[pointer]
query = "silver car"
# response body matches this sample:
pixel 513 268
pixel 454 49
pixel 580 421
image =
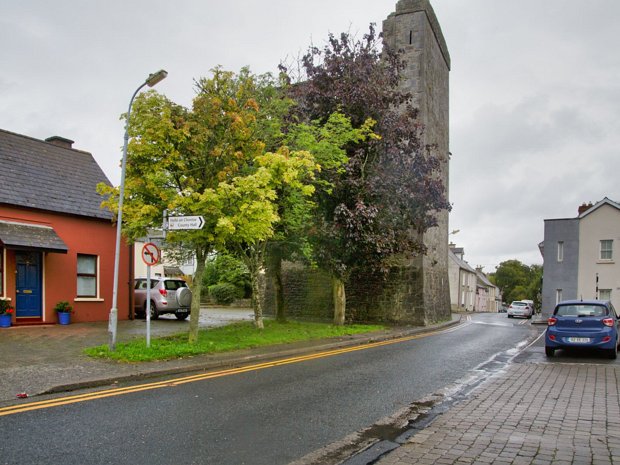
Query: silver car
pixel 520 308
pixel 168 295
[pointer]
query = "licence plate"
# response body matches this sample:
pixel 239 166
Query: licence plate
pixel 579 340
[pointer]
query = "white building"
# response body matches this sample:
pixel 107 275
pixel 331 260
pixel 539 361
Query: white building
pixel 581 256
pixel 462 280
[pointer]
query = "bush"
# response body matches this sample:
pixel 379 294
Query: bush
pixel 224 268
pixel 223 293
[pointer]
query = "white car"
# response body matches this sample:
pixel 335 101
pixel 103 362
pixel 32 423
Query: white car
pixel 520 308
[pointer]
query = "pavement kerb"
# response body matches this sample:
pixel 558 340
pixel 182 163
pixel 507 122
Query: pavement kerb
pixel 234 359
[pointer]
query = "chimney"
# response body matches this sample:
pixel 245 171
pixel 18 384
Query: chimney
pixel 584 207
pixel 60 142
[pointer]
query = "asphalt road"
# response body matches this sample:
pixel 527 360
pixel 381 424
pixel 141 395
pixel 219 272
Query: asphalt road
pixel 267 416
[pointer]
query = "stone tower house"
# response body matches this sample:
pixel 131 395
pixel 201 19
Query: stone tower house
pixel 416 292
pixel 414 29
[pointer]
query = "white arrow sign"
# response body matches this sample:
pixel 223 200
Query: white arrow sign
pixel 185 222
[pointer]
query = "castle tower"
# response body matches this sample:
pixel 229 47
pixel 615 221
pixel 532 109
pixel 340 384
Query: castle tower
pixel 413 28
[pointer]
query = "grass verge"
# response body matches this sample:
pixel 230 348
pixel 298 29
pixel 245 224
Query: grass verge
pixel 225 339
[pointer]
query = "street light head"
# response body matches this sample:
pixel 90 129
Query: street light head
pixel 156 77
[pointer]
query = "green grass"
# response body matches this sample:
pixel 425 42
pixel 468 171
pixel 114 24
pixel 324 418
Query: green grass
pixel 225 339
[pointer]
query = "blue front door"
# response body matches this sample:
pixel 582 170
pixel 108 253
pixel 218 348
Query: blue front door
pixel 28 285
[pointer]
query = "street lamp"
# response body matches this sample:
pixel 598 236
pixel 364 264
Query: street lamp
pixel 113 320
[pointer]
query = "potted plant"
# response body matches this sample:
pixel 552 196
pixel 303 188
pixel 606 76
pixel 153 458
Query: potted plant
pixel 63 309
pixel 6 313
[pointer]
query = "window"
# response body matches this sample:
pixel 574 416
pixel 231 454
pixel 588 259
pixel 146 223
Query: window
pixel 604 294
pixel 1 271
pixel 86 275
pixel 560 251
pixel 558 295
pixel 607 249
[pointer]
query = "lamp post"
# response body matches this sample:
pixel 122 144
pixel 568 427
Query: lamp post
pixel 113 319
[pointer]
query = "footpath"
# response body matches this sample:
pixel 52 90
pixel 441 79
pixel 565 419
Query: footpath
pixel 562 411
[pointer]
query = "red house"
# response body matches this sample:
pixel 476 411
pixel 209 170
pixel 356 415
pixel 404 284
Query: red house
pixel 56 242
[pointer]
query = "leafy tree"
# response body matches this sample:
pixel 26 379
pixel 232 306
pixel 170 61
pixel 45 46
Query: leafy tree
pixel 518 281
pixel 204 161
pixel 248 209
pixel 327 142
pixel 387 194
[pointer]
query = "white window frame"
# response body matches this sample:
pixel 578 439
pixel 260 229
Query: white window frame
pixel 560 251
pixel 558 296
pixel 606 250
pixel 97 276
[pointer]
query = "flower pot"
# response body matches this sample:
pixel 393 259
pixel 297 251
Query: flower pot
pixel 64 318
pixel 5 320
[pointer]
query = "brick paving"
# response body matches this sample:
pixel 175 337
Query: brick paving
pixel 547 413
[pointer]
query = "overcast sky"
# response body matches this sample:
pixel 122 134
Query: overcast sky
pixel 534 89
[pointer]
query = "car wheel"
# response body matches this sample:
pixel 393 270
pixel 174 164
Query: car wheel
pixel 181 316
pixel 154 314
pixel 613 353
pixel 529 317
pixel 549 351
pixel 140 314
pixel 509 316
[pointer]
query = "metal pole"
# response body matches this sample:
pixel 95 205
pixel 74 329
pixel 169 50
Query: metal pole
pixel 148 305
pixel 113 318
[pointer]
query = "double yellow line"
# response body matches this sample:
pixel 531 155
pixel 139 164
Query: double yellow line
pixel 11 410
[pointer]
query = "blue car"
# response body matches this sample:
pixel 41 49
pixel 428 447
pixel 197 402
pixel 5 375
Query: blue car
pixel 590 324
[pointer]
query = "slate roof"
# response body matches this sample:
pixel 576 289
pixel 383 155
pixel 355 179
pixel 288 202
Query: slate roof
pixel 41 175
pixel 461 263
pixel 30 236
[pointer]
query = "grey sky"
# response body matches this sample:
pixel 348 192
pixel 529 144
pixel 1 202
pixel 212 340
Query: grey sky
pixel 535 87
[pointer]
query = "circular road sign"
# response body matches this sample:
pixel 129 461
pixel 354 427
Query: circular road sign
pixel 150 254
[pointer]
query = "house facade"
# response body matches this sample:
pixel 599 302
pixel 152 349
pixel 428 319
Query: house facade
pixel 488 295
pixel 463 280
pixel 581 256
pixel 56 243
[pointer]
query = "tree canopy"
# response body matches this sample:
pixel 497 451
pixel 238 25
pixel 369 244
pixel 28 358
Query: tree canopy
pixel 518 281
pixel 387 193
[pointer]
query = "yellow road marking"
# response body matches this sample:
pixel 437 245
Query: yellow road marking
pixel 13 409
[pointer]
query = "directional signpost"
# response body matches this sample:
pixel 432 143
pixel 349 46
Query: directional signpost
pixel 185 222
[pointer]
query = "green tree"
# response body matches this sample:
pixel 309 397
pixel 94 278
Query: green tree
pixel 199 161
pixel 387 194
pixel 327 142
pixel 518 281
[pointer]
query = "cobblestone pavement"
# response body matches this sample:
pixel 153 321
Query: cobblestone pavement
pixel 532 413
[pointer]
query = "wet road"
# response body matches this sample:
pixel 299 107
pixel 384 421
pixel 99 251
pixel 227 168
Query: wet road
pixel 266 416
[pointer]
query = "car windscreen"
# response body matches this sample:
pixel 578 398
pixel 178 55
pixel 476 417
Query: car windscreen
pixel 581 310
pixel 519 304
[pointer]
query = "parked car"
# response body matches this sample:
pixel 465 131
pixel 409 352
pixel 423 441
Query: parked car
pixel 531 304
pixel 583 324
pixel 520 308
pixel 168 295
